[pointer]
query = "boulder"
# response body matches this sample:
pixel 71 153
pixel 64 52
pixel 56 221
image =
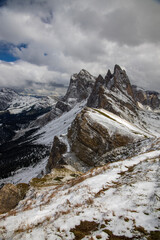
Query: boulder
pixel 10 195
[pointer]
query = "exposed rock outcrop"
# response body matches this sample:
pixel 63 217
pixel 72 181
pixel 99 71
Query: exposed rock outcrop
pixel 80 87
pixel 115 94
pixel 56 155
pixel 10 195
pixel 95 132
pixel 147 98
pixel 90 139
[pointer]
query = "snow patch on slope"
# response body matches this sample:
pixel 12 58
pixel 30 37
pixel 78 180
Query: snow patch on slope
pixel 115 124
pixel 25 103
pixel 120 197
pixel 57 126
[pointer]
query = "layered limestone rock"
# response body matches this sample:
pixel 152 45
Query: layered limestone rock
pixel 147 98
pixel 10 195
pixel 115 94
pixel 94 133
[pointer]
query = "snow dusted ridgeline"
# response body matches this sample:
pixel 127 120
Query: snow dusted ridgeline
pixel 115 125
pixel 116 201
pixel 54 122
pixel 80 87
pixel 120 199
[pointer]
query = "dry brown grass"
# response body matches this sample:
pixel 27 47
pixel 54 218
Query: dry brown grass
pixel 29 227
pixel 101 191
pixel 84 228
pixel 89 201
pixel 115 237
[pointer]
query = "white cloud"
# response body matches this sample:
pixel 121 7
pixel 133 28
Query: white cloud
pixel 17 74
pixel 65 36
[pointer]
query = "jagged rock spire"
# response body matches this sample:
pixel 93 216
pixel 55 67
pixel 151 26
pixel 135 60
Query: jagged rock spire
pixel 80 86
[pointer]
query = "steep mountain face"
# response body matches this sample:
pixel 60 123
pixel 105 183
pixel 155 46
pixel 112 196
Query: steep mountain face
pixel 147 98
pixel 79 89
pixel 25 121
pixel 115 94
pixel 114 125
pixel 103 170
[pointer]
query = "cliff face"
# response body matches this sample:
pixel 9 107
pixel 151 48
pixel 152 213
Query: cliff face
pixel 111 122
pixel 115 94
pixel 80 87
pixel 147 98
pixel 95 132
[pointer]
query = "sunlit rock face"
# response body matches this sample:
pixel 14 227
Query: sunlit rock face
pixel 10 195
pixel 147 98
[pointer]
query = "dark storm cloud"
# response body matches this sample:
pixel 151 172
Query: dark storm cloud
pixel 62 37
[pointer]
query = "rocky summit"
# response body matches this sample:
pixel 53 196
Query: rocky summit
pixel 88 168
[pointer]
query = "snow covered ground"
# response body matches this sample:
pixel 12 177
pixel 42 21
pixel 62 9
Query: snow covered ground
pixel 25 103
pixel 25 174
pixel 116 124
pixel 118 199
pixel 58 126
pixel 45 136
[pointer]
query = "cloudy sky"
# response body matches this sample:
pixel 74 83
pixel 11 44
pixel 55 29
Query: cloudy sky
pixel 45 41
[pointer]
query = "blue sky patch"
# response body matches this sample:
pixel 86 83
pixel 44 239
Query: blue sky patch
pixel 3 3
pixel 21 46
pixel 6 51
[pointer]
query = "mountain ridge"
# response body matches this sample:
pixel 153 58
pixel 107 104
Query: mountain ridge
pixel 101 178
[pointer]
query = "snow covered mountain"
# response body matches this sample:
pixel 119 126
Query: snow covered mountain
pixel 17 113
pixel 103 166
pixel 15 103
pixel 28 132
pixel 112 122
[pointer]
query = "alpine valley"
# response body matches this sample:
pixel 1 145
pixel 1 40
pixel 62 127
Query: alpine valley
pixel 84 166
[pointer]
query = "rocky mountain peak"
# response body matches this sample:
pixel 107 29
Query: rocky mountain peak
pixel 84 74
pixel 117 68
pixel 113 93
pixel 80 87
pixel 120 81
